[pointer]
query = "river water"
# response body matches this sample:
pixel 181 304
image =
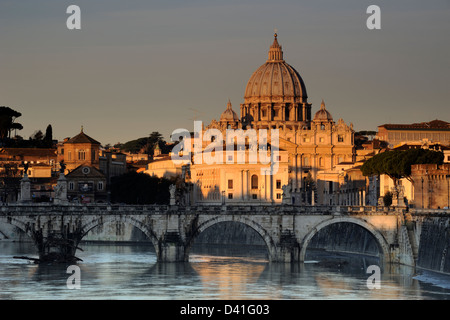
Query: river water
pixel 214 272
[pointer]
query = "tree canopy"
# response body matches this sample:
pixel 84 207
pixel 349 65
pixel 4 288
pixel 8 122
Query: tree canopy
pixel 397 164
pixel 8 117
pixel 146 144
pixel 140 188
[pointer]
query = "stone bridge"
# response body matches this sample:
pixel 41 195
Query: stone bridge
pixel 286 230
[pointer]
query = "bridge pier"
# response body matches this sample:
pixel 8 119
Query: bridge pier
pixel 288 249
pixel 171 248
pixel 56 242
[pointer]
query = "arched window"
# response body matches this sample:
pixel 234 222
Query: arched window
pixel 254 181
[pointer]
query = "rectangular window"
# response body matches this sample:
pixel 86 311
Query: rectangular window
pixel 278 184
pixel 100 185
pixel 69 155
pixel 254 196
pixel 230 184
pixel 278 195
pixel 81 155
pixel 340 138
pixel 230 196
pixel 71 185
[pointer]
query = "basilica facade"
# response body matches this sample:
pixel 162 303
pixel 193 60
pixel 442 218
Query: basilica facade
pixel 314 150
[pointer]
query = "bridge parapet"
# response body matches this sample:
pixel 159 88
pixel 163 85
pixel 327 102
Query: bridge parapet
pixel 430 212
pixel 106 209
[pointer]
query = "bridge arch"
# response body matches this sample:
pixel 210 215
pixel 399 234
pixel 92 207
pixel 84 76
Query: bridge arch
pixel 21 225
pixel 381 241
pixel 95 222
pixel 270 244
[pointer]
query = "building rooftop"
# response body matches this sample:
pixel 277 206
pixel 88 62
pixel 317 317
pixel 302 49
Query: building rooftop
pixel 82 138
pixel 431 125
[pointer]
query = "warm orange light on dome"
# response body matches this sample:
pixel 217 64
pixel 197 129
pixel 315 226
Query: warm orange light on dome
pixel 275 80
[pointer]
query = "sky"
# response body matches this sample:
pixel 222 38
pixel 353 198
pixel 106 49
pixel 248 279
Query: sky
pixel 140 66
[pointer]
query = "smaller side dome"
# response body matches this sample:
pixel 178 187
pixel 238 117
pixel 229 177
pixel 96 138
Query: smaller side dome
pixel 323 114
pixel 229 114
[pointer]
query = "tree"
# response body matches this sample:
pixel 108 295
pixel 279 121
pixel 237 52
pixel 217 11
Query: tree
pixel 154 138
pixel 48 138
pixel 140 188
pixel 8 117
pixel 387 199
pixel 146 144
pixel 9 177
pixel 134 146
pixel 397 164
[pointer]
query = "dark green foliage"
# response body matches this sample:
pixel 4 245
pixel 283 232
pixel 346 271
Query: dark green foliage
pixel 134 146
pixel 146 144
pixel 397 164
pixel 140 188
pixel 7 122
pixel 48 138
pixel 387 198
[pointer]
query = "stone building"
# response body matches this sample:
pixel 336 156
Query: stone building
pixel 86 184
pixel 433 131
pixel 112 164
pixel 85 153
pixel 79 150
pixel 312 146
pixel 431 185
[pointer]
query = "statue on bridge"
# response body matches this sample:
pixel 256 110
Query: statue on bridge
pixel 62 166
pixel 25 189
pixel 286 196
pixel 61 189
pixel 172 190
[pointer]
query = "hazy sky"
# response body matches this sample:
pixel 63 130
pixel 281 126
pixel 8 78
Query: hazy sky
pixel 142 66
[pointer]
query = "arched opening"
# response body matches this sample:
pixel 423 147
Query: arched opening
pixel 342 244
pixel 230 255
pixel 254 182
pixel 119 238
pixel 229 239
pixel 11 232
pixel 116 232
pixel 14 241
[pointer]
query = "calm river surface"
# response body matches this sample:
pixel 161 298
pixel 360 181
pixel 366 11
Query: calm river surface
pixel 131 272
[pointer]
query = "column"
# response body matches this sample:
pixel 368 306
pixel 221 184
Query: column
pixel 266 186
pixel 242 185
pixel 246 184
pixel 271 187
